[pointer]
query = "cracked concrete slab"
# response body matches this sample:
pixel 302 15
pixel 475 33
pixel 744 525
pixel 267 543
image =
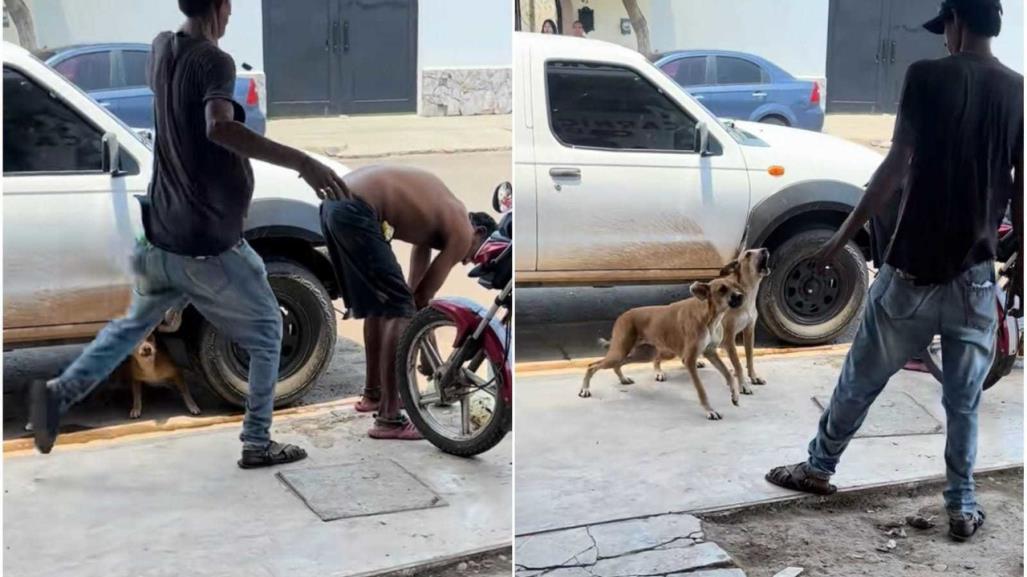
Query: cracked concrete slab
pixel 662 545
pixel 662 561
pixel 663 532
pixel 552 549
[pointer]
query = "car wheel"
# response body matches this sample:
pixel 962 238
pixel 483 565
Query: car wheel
pixel 308 340
pixel 775 120
pixel 803 308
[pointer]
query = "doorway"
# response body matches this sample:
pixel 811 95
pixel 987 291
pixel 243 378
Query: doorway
pixel 870 44
pixel 324 57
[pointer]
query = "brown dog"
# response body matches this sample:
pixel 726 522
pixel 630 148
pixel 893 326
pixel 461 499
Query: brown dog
pixel 685 329
pixel 152 365
pixel 748 270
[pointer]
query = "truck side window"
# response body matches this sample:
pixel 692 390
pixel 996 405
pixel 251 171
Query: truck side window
pixel 613 107
pixel 41 134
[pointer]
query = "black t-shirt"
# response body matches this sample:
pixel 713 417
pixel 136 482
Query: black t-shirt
pixel 200 191
pixel 963 117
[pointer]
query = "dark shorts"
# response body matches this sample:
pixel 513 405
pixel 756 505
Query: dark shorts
pixel 370 278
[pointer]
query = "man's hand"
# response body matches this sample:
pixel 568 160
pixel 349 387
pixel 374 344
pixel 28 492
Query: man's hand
pixel 326 184
pixel 826 254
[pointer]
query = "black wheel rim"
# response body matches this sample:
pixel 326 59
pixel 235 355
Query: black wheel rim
pixel 299 337
pixel 812 297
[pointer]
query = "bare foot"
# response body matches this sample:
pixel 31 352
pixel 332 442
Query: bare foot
pixel 406 432
pixel 366 405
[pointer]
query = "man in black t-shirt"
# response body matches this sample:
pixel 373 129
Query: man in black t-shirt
pixel 958 142
pixel 194 251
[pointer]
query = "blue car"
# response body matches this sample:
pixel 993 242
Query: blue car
pixel 115 76
pixel 745 87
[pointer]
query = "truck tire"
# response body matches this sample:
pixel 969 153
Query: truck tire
pixel 799 308
pixel 308 340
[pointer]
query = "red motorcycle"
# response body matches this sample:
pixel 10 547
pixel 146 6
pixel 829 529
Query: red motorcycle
pixel 462 401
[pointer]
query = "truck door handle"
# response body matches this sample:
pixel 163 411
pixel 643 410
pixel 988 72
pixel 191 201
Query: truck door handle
pixel 760 94
pixel 563 172
pixel 345 36
pixel 892 52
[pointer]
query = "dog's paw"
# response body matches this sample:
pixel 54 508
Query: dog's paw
pixel 584 393
pixel 135 413
pixel 757 380
pixel 713 415
pixel 627 381
pixel 734 400
pixel 194 410
pixel 661 376
pixel 700 365
pixel 746 390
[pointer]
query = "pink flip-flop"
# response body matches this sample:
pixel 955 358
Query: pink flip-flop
pixel 406 432
pixel 365 405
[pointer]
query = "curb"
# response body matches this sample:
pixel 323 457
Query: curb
pixel 565 364
pixel 343 157
pixel 23 446
pixel 417 568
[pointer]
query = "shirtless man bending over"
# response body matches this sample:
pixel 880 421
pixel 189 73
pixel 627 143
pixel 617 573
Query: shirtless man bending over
pixel 414 206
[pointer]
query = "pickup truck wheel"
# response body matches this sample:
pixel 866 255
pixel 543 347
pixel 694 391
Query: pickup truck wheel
pixel 308 340
pixel 803 308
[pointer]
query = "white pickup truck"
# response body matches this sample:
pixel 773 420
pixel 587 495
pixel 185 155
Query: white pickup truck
pixel 71 171
pixel 624 178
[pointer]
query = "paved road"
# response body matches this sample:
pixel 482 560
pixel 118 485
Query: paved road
pixel 566 323
pixel 471 176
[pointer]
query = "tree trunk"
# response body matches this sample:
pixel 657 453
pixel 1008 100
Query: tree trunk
pixel 22 17
pixel 639 25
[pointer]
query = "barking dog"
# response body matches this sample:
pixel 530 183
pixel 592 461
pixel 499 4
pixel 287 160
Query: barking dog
pixel 748 270
pixel 152 365
pixel 685 329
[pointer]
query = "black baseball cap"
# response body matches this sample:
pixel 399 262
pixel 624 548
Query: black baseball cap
pixel 948 9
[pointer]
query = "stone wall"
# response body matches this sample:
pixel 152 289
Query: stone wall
pixel 465 91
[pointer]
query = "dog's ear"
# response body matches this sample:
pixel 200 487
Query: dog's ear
pixel 730 268
pixel 700 290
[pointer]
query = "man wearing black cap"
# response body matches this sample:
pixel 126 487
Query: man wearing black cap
pixel 958 142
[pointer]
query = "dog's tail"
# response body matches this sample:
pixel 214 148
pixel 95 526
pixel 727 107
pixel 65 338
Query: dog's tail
pixel 605 343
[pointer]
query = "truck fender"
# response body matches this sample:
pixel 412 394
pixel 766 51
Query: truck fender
pixel 798 198
pixel 269 217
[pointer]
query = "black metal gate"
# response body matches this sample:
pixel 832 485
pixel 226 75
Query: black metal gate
pixel 870 44
pixel 340 56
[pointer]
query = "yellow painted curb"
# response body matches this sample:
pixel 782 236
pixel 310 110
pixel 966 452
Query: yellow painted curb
pixel 146 429
pixel 576 364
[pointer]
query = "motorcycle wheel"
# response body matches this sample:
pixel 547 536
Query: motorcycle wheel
pixel 1000 366
pixel 476 419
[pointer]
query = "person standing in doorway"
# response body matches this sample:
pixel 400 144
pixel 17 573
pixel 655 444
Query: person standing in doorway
pixel 548 26
pixel 194 252
pixel 578 29
pixel 958 141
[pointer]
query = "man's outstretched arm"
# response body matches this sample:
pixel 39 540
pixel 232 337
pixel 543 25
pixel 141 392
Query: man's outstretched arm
pixel 223 129
pixel 436 274
pixel 886 181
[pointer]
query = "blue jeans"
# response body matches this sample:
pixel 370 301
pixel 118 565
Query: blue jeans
pixel 900 321
pixel 230 290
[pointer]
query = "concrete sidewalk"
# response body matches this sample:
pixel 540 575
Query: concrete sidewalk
pixel 179 505
pixel 347 137
pixel 648 449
